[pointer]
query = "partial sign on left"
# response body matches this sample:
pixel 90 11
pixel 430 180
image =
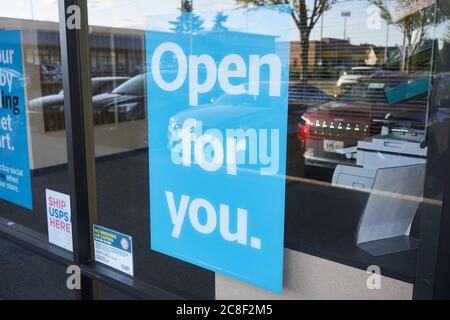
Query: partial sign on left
pixel 15 183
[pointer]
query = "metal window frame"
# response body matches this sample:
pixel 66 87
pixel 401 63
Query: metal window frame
pixel 75 57
pixel 79 135
pixel 433 269
pixel 433 257
pixel 75 54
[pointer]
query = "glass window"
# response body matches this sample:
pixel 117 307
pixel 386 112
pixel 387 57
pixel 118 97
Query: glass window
pixel 357 112
pixel 38 158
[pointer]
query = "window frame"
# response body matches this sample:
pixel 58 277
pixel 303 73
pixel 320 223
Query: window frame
pixel 433 262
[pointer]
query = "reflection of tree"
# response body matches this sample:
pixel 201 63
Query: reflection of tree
pixel 305 18
pixel 415 27
pixel 187 22
pixel 219 21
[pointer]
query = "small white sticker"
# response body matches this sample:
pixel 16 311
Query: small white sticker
pixel 114 249
pixel 59 219
pixel 376 85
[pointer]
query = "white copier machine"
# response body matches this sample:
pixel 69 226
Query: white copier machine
pixel 394 147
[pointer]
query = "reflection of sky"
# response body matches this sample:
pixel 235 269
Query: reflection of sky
pixel 135 14
pixel 239 19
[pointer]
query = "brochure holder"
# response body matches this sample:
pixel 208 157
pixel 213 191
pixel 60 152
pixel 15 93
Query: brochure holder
pixel 386 222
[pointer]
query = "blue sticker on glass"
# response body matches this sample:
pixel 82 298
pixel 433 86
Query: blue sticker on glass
pixel 15 184
pixel 217 110
pixel 113 249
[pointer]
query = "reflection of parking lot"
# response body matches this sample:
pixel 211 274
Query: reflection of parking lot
pixel 295 165
pixel 326 85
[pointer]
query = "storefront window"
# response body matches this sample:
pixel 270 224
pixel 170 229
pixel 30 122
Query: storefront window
pixel 243 149
pixel 358 108
pixel 40 156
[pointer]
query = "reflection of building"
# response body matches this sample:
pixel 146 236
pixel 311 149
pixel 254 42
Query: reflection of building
pixel 114 51
pixel 332 52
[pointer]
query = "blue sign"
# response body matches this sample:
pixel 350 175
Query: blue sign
pixel 217 110
pixel 113 249
pixel 15 184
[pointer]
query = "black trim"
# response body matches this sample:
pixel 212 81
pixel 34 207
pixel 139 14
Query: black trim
pixel 433 265
pixel 433 270
pixel 79 134
pixel 34 241
pixel 38 243
pixel 131 286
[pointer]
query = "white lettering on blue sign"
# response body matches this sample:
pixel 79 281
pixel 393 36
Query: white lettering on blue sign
pixel 217 119
pixel 178 215
pixel 225 72
pixel 15 180
pixel 211 150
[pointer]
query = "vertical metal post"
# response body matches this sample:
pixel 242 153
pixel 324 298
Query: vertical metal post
pixel 32 9
pixel 433 265
pixel 79 131
pixel 386 53
pixel 433 259
pixel 345 15
pixel 321 25
pixel 345 27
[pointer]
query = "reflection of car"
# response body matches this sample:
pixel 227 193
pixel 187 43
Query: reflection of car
pixel 301 98
pixel 359 114
pixel 245 111
pixel 355 74
pixel 56 101
pixel 50 71
pixel 53 105
pixel 139 69
pixel 127 101
pixel 229 111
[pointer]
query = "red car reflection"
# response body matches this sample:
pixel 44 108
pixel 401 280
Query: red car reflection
pixel 399 99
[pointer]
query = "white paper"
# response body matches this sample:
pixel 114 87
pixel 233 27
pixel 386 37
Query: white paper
pixel 59 219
